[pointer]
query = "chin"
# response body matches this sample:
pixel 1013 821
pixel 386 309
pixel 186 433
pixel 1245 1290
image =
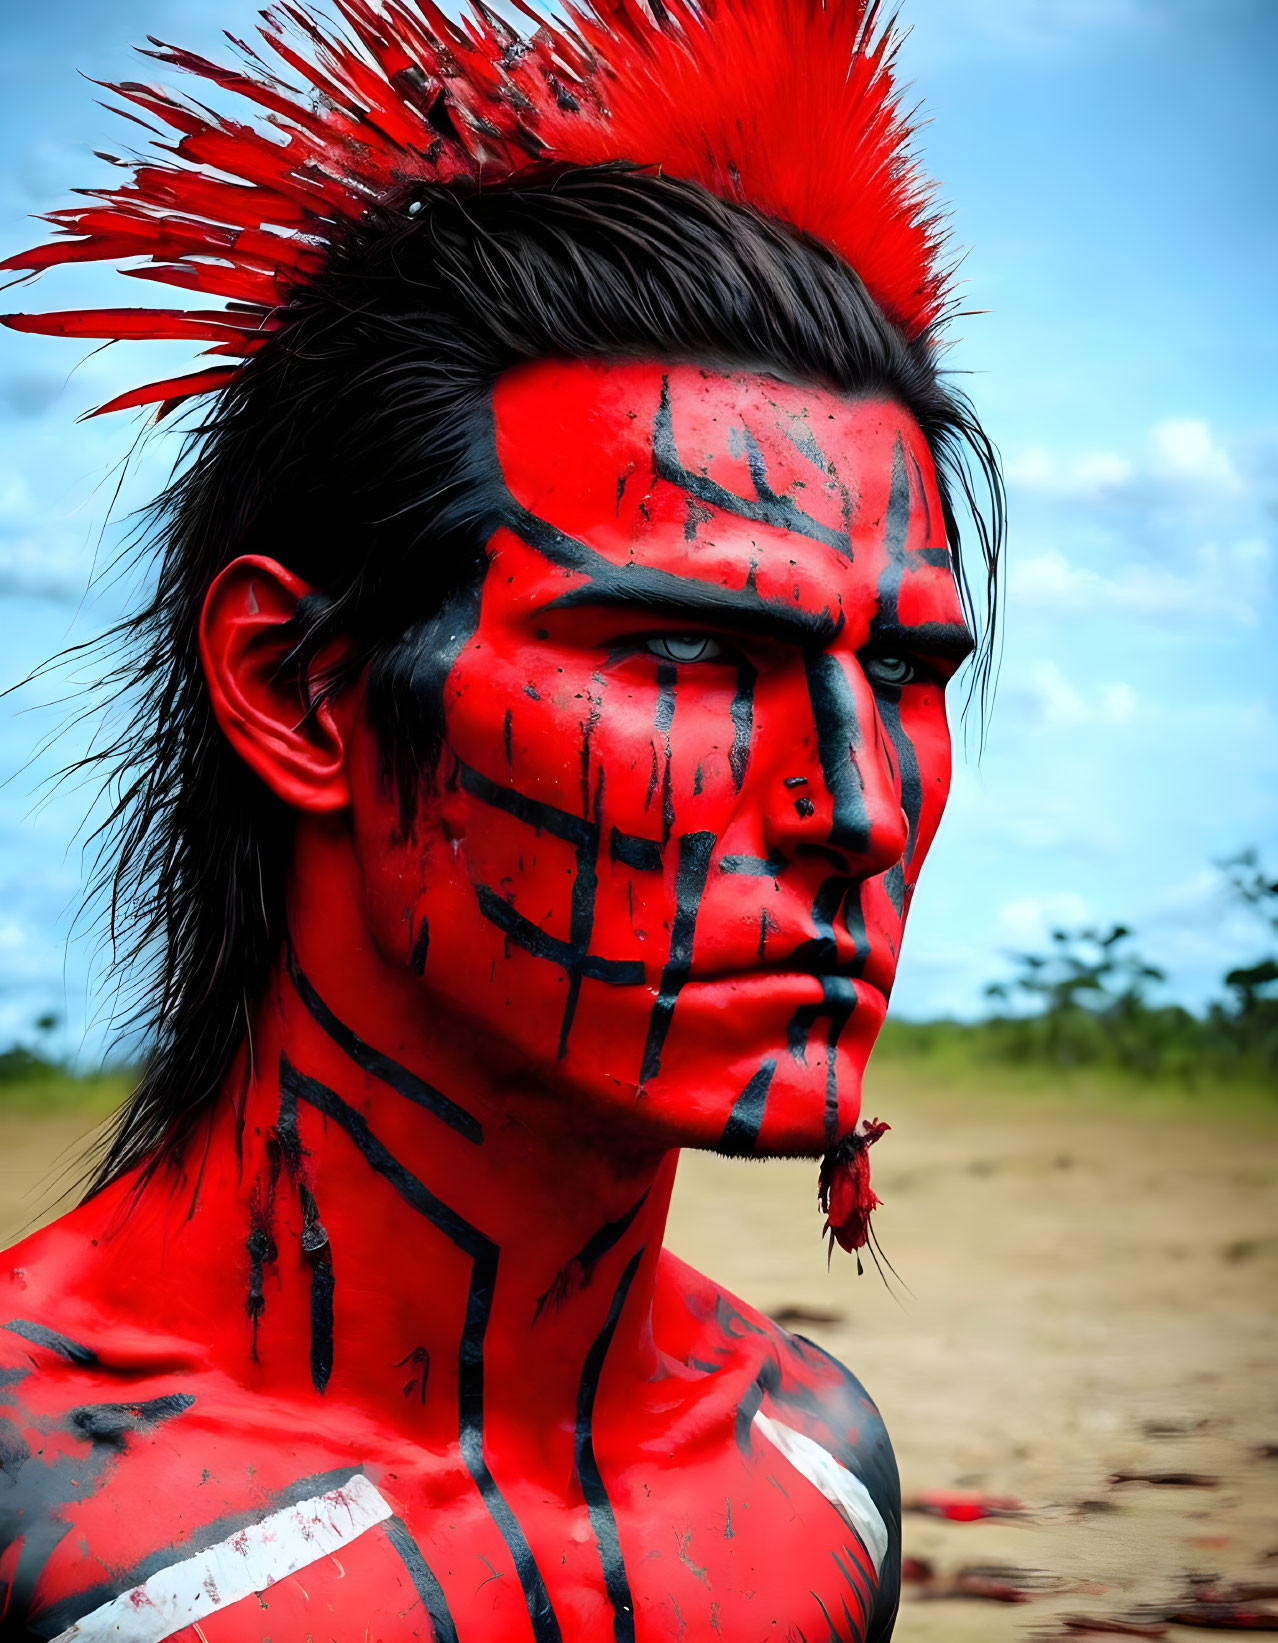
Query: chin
pixel 751 1095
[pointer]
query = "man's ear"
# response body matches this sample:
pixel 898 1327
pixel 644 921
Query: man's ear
pixel 262 707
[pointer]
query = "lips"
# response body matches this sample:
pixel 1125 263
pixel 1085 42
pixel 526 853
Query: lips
pixel 877 973
pixel 823 957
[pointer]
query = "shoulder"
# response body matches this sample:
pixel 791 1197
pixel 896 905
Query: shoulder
pixel 80 1406
pixel 796 1398
pixel 816 1412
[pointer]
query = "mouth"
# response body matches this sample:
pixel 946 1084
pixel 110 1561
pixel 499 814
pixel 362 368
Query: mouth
pixel 819 961
pixel 835 984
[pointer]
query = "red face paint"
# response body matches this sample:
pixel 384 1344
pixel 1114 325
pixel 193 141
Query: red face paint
pixel 398 1349
pixel 697 751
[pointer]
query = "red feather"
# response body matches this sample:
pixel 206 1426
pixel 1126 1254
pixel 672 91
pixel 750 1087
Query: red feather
pixel 117 324
pixel 172 391
pixel 788 106
pixel 845 1194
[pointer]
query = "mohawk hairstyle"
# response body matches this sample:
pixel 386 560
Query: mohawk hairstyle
pixel 786 106
pixel 354 441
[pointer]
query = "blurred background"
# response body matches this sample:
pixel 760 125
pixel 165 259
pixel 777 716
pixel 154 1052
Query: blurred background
pixel 1081 1070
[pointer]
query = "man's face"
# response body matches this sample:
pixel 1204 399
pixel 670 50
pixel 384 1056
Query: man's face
pixel 696 751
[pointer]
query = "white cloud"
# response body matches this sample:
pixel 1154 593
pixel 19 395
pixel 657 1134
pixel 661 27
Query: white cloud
pixel 1175 532
pixel 1180 452
pixel 1060 702
pixel 950 29
pixel 43 556
pixel 1087 474
pixel 1185 449
pixel 1028 921
pixel 1229 580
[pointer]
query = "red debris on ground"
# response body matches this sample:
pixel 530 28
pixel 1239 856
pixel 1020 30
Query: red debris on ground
pixel 1080 1625
pixel 1225 1617
pixel 1168 1480
pixel 962 1505
pixel 1212 1607
pixel 992 1582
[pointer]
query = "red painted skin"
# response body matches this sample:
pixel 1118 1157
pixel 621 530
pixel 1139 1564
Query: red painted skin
pixel 605 1480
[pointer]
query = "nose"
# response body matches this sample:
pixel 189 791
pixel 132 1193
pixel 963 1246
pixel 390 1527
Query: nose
pixel 850 800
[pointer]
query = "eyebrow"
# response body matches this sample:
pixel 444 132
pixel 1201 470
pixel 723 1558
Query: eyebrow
pixel 671 597
pixel 953 640
pixel 695 601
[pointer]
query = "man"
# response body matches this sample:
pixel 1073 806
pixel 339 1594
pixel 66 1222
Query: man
pixel 539 730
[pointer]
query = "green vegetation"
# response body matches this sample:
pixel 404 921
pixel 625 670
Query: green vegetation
pixel 1081 1015
pixel 53 1092
pixel 36 1082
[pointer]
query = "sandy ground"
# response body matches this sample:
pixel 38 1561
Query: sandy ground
pixel 1092 1292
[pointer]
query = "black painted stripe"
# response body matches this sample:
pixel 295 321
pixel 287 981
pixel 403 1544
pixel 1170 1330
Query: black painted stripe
pixel 421 947
pixel 927 508
pixel 581 1268
pixel 747 1409
pixel 751 867
pixel 908 766
pixel 644 855
pixel 666 679
pixel 574 956
pixel 66 1348
pixel 301 1087
pixel 543 818
pixel 820 954
pixel 598 1506
pixel 861 1597
pixel 470 1361
pixel 112 1422
pixel 617 972
pixel 638 586
pixel 838 998
pixel 380 1065
pixel 838 1020
pixel 320 1256
pixel 834 1636
pixel 741 1132
pixel 741 713
pixel 424 1582
pixel 695 850
pixel 581 922
pixel 667 800
pixel 766 507
pixel 838 731
pixel 322 1284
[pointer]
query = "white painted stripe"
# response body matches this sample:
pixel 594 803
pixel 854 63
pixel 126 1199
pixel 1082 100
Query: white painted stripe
pixel 248 1562
pixel 835 1482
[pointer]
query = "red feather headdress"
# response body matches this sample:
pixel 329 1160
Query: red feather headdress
pixel 784 105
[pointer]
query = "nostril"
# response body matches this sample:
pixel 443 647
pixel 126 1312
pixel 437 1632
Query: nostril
pixel 805 807
pixel 795 781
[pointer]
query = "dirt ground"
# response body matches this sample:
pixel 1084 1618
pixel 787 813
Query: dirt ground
pixel 1092 1292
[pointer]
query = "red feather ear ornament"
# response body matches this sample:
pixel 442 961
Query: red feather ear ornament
pixel 845 1195
pixel 787 106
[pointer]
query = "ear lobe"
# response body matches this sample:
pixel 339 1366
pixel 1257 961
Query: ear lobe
pixel 245 639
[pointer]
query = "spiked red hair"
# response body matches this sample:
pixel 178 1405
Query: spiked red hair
pixel 787 106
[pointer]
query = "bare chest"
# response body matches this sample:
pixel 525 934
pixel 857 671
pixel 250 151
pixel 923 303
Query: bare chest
pixel 240 1530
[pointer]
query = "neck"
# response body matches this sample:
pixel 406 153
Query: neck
pixel 407 1219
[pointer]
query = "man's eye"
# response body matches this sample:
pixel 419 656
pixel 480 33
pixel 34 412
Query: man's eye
pixel 685 647
pixel 890 670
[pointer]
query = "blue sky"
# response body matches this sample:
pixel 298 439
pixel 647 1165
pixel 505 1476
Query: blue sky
pixel 1111 166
